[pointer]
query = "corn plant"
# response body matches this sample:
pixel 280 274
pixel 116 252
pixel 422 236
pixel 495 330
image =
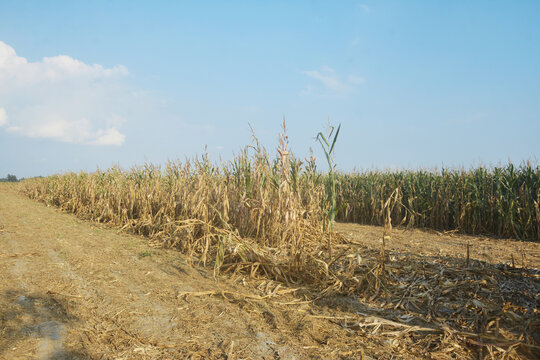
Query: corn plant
pixel 327 144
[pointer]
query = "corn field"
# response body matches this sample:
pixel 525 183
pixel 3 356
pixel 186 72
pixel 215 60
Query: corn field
pixel 502 201
pixel 259 215
pixel 230 212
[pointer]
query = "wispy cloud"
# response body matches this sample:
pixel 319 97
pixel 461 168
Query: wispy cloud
pixel 73 131
pixel 329 78
pixel 363 7
pixel 331 81
pixel 354 79
pixel 61 98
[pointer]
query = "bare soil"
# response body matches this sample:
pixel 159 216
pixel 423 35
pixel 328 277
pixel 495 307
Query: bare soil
pixel 447 244
pixel 70 289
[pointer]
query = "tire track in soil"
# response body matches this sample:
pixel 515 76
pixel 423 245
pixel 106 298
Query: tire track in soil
pixel 41 322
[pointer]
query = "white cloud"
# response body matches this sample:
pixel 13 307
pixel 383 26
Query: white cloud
pixel 17 71
pixel 331 80
pixel 62 98
pixel 3 117
pixel 110 137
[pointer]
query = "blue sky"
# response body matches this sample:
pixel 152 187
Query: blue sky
pixel 415 84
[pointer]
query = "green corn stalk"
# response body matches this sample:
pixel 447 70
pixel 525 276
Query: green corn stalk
pixel 327 143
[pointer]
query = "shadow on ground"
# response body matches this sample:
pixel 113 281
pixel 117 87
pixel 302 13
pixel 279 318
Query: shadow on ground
pixel 36 325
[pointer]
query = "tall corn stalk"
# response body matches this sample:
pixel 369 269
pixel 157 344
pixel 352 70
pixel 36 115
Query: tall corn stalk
pixel 327 143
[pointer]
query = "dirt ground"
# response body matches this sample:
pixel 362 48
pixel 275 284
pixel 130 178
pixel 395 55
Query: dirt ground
pixel 434 243
pixel 70 289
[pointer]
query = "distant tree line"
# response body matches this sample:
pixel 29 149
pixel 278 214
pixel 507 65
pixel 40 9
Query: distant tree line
pixel 9 178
